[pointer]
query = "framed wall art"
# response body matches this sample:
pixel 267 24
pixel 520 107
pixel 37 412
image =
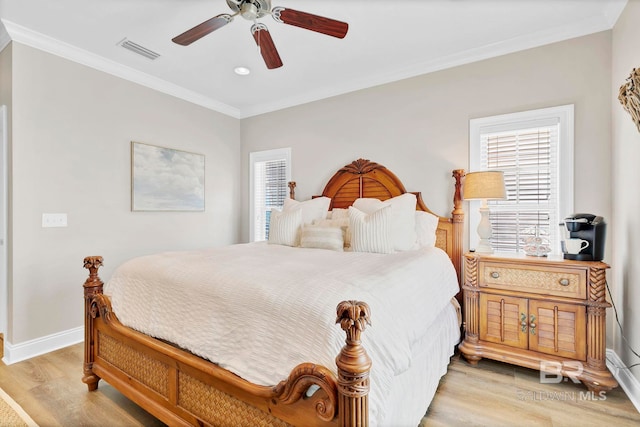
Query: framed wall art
pixel 165 179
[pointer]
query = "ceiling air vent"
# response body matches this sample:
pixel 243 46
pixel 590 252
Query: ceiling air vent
pixel 140 50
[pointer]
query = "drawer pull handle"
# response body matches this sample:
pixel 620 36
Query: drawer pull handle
pixel 502 320
pixel 532 325
pixel 523 322
pixel 555 328
pixel 495 274
pixel 564 282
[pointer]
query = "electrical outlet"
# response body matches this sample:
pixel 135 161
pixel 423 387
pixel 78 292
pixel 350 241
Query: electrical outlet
pixel 54 220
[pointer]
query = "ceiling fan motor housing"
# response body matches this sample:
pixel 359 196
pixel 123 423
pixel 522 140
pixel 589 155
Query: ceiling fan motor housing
pixel 250 9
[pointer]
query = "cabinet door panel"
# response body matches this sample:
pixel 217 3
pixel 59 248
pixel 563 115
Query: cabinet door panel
pixel 501 320
pixel 558 329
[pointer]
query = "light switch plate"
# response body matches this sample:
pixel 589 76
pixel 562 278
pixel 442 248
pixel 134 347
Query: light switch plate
pixel 54 220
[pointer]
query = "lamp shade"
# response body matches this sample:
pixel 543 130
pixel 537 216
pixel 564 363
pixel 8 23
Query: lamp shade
pixel 484 185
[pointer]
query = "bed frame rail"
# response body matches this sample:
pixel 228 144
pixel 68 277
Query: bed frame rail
pixel 180 388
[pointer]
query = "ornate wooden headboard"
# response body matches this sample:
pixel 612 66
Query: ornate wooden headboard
pixel 363 178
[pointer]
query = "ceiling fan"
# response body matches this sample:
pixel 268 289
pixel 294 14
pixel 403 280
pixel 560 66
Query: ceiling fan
pixel 255 9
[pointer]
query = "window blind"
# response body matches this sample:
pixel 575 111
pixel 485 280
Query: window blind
pixel 270 191
pixel 528 156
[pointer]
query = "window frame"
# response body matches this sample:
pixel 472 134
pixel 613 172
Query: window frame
pixel 522 120
pixel 259 157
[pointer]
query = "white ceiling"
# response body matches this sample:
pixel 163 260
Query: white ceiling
pixel 387 40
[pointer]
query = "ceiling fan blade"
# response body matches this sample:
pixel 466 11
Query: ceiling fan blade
pixel 203 29
pixel 267 48
pixel 316 23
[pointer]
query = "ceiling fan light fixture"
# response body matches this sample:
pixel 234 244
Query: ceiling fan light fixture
pixel 242 71
pixel 249 11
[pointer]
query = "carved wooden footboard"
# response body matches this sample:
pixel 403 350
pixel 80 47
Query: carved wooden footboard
pixel 180 388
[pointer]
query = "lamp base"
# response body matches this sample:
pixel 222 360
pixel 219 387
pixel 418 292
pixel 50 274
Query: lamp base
pixel 484 230
pixel 484 247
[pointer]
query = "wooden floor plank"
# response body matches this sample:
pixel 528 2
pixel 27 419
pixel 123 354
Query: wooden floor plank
pixel 492 394
pixel 499 394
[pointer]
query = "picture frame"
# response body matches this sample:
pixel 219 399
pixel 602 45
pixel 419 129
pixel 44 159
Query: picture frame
pixel 166 179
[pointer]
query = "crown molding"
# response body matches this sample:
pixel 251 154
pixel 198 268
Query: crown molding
pixel 541 38
pixel 48 44
pixel 5 39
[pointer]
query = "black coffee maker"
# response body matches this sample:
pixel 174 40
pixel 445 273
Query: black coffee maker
pixel 591 228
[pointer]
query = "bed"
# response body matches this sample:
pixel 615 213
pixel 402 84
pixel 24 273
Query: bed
pixel 365 378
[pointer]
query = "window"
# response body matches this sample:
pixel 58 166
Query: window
pixel 534 149
pixel 270 173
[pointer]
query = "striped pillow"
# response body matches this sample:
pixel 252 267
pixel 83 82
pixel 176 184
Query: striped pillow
pixel 342 223
pixel 371 233
pixel 322 237
pixel 284 227
pixel 403 220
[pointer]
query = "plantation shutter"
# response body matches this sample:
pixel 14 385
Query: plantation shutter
pixel 270 191
pixel 527 153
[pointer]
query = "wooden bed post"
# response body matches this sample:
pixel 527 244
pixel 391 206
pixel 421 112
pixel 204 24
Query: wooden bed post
pixel 458 223
pixel 354 365
pixel 92 287
pixel 292 189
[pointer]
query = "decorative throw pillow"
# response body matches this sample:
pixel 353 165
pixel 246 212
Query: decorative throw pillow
pixel 426 225
pixel 322 237
pixel 371 233
pixel 403 219
pixel 311 209
pixel 284 227
pixel 342 223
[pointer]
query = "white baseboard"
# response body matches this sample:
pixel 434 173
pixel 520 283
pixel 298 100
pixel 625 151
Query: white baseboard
pixel 14 353
pixel 625 378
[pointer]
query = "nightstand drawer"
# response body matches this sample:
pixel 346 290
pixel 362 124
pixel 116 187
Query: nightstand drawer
pixel 564 282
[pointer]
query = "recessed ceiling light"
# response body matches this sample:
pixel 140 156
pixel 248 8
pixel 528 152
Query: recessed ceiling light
pixel 242 71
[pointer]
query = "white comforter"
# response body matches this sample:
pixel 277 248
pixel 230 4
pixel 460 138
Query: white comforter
pixel 258 310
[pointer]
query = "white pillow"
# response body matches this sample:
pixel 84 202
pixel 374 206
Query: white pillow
pixel 322 237
pixel 284 227
pixel 426 225
pixel 371 233
pixel 339 213
pixel 311 209
pixel 403 218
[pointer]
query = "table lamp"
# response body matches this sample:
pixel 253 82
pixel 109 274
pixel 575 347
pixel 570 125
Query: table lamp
pixel 485 185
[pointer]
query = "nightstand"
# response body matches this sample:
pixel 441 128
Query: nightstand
pixel 542 313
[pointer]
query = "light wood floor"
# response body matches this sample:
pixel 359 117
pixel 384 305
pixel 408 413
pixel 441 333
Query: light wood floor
pixel 498 394
pixel 493 394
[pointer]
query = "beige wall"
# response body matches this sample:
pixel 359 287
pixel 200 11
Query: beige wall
pixel 5 99
pixel 419 127
pixel 72 127
pixel 626 181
